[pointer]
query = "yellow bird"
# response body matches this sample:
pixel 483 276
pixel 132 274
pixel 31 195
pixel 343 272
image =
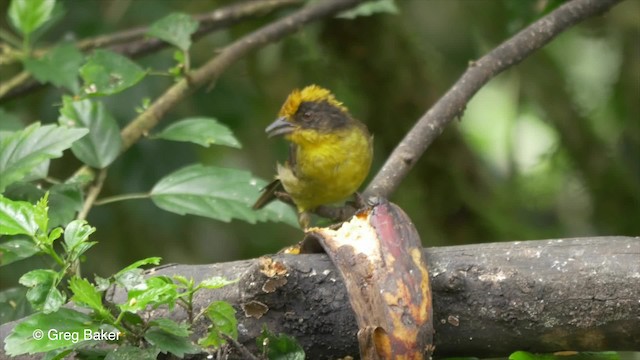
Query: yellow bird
pixel 329 156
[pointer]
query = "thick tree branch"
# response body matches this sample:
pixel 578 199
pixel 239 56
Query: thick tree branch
pixel 488 299
pixel 453 103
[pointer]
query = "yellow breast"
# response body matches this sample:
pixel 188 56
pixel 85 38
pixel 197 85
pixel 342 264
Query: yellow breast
pixel 329 167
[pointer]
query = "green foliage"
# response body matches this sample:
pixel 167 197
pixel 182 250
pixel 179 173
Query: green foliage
pixel 22 151
pixel 567 355
pixel 108 73
pixel 102 145
pixel 54 328
pixel 201 131
pixel 14 304
pixel 218 193
pixel 28 15
pixel 45 332
pixel 58 67
pixel 176 29
pixel 223 321
pixel 279 347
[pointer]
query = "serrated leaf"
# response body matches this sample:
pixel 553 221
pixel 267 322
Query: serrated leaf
pixel 213 192
pixel 16 249
pixel 58 67
pixel 107 73
pixel 157 290
pixel 102 145
pixel 166 342
pixel 17 217
pixel 370 8
pixel 216 282
pixel 43 294
pixel 280 347
pixel 128 352
pixel 85 294
pixel 14 304
pixel 21 339
pixel 65 200
pixel 223 319
pixel 41 213
pixel 77 232
pixel 175 28
pixel 202 131
pixel 28 15
pixel 171 327
pixel 22 151
pixel 147 261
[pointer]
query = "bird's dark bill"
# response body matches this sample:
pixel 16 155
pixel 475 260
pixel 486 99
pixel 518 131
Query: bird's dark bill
pixel 279 127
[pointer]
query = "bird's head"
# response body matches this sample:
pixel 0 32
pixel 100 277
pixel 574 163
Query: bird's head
pixel 312 109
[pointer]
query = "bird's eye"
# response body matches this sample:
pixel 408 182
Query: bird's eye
pixel 306 115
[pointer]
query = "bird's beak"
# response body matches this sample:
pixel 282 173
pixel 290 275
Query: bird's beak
pixel 279 127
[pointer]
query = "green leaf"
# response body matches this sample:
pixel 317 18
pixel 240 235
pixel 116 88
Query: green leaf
pixel 76 233
pixel 223 320
pixel 41 213
pixel 176 29
pixel 171 327
pixel 216 282
pixel 202 131
pixel 588 355
pixel 65 200
pixel 370 8
pixel 51 327
pixel 167 342
pixel 217 193
pixel 17 217
pixel 147 261
pixel 102 145
pixel 28 15
pixel 58 67
pixel 43 294
pixel 280 347
pixel 22 151
pixel 131 276
pixel 85 294
pixel 14 304
pixel 16 249
pixel 157 290
pixel 129 352
pixel 107 73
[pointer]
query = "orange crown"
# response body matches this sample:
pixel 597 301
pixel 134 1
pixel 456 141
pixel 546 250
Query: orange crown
pixel 313 93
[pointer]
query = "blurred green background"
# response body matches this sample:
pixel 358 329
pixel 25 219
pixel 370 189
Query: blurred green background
pixel 550 148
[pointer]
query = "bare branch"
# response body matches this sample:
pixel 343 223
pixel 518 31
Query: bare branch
pixel 210 71
pixel 453 103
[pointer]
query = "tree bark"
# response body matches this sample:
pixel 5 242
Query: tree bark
pixel 488 299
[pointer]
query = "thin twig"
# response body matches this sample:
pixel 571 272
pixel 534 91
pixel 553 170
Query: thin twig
pixel 210 71
pixel 134 43
pixel 92 194
pixel 15 81
pixel 453 103
pixel 246 354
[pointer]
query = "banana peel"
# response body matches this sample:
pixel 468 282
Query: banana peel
pixel 379 255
